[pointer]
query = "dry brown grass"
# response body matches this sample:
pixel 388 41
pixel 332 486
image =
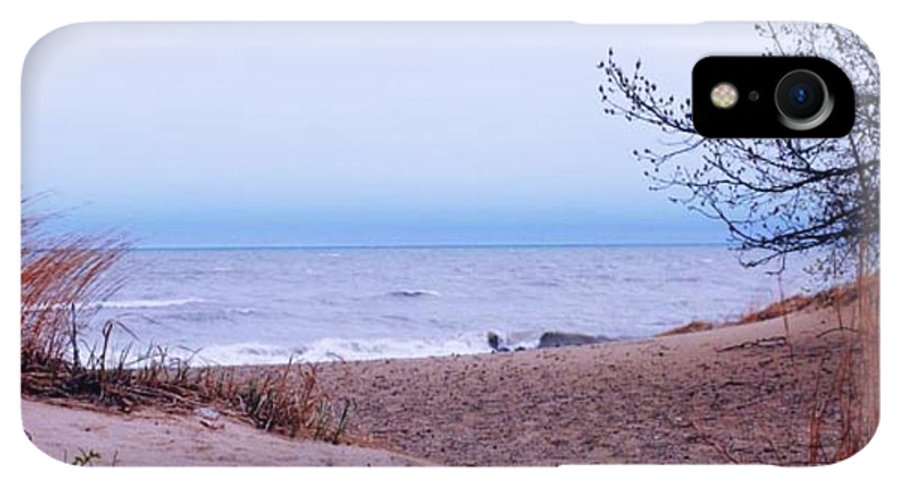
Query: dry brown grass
pixel 691 327
pixel 777 309
pixel 847 403
pixel 840 296
pixel 843 407
pixel 287 399
pixel 63 275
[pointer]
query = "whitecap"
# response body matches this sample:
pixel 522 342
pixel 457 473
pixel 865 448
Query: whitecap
pixel 340 349
pixel 144 303
pixel 119 304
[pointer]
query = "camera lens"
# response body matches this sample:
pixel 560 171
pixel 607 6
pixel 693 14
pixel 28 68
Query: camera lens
pixel 802 100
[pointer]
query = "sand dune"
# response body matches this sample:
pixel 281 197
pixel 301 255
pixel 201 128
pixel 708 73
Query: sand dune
pixel 150 437
pixel 731 394
pixel 737 393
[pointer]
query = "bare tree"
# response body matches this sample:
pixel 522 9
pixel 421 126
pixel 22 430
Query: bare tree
pixel 777 197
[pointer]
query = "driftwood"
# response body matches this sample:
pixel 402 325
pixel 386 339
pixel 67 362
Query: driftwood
pixel 770 342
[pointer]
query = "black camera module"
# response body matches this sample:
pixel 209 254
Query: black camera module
pixel 771 97
pixel 803 100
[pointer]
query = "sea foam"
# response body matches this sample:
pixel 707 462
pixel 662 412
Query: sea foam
pixel 144 303
pixel 339 349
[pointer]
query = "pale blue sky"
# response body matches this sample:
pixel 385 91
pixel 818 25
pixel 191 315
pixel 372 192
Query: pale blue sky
pixel 316 134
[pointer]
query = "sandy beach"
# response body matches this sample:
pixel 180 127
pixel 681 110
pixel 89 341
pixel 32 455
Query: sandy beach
pixel 734 394
pixel 738 393
pixel 156 438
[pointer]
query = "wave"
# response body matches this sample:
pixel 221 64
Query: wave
pixel 242 311
pixel 414 293
pixel 344 349
pixel 121 304
pixel 340 349
pixel 144 303
pixel 333 349
pixel 543 283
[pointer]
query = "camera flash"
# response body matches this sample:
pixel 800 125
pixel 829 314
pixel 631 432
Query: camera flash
pixel 724 95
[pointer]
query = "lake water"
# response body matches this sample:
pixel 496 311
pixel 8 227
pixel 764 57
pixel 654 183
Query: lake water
pixel 252 306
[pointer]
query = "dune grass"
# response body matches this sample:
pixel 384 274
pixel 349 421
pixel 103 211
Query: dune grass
pixel 62 276
pixel 850 397
pixel 843 408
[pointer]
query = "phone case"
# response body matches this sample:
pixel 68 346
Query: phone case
pixel 438 244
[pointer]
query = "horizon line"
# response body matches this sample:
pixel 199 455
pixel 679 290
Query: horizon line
pixel 230 247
